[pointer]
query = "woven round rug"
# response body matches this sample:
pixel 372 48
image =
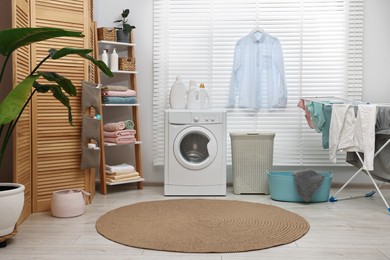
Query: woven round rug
pixel 201 225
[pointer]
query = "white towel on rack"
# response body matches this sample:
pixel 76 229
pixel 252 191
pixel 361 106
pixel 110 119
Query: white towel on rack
pixel 353 133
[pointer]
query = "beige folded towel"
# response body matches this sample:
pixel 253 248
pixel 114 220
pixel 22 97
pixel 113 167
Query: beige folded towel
pixel 115 88
pixel 115 93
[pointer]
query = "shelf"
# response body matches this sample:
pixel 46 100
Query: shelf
pixel 114 144
pixel 120 105
pixel 124 72
pixel 118 112
pixel 117 43
pixel 122 182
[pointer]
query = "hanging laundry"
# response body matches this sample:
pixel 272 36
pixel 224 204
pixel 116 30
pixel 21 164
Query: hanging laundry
pixel 258 77
pixel 354 131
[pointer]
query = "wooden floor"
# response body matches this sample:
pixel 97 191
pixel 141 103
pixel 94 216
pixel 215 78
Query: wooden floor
pixel 349 229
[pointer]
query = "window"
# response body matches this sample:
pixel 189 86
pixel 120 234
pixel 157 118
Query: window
pixel 322 48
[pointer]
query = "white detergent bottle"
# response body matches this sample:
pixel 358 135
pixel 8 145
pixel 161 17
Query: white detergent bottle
pixel 193 101
pixel 114 60
pixel 178 95
pixel 204 97
pixel 105 57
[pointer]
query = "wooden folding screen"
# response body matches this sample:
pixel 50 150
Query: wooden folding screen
pixel 55 145
pixel 22 133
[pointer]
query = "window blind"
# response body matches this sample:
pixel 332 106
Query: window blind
pixel 322 48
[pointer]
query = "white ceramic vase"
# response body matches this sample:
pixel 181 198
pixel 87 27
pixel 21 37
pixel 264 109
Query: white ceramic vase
pixel 11 206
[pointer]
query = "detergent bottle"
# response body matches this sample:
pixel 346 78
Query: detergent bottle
pixel 105 57
pixel 177 96
pixel 114 60
pixel 204 97
pixel 193 101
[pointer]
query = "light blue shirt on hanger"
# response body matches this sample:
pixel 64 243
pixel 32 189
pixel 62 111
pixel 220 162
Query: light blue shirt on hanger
pixel 258 78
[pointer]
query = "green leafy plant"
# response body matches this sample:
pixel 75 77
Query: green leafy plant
pixel 15 101
pixel 125 26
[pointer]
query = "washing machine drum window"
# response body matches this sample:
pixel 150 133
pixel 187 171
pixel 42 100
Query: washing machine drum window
pixel 195 148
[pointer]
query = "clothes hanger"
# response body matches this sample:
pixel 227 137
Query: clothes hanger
pixel 257 29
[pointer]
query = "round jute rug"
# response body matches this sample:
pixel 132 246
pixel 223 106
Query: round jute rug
pixel 201 225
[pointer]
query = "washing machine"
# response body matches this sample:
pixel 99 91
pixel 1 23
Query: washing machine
pixel 195 152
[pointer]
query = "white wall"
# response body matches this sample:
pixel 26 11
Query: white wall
pixel 376 68
pixel 376 76
pixel 141 16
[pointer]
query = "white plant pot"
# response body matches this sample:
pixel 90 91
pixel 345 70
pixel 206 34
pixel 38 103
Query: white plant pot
pixel 11 206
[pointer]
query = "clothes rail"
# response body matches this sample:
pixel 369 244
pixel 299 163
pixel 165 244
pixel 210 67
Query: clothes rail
pixel 365 168
pixel 333 100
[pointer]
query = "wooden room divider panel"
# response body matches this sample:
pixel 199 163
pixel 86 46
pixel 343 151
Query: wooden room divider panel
pixel 55 153
pixel 22 133
pixel 56 146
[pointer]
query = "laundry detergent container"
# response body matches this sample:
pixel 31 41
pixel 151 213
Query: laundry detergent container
pixel 283 188
pixel 252 157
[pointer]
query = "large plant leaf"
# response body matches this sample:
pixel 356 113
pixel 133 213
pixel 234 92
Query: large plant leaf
pixel 57 54
pixel 101 65
pixel 13 103
pixel 62 82
pixel 60 96
pixel 42 88
pixel 11 39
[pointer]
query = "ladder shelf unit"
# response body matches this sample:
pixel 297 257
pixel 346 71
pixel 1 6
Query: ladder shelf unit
pixel 131 79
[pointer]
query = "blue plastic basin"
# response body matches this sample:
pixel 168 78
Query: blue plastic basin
pixel 282 187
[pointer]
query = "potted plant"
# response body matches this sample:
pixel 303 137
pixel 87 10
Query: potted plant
pixel 123 32
pixel 14 102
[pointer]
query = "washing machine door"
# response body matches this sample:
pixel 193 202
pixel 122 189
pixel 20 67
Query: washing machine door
pixel 195 147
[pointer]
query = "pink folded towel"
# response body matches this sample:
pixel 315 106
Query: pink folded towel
pixel 114 93
pixel 125 133
pixel 112 127
pixel 120 140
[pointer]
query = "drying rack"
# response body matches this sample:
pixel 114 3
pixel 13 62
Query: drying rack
pixel 335 100
pixel 330 100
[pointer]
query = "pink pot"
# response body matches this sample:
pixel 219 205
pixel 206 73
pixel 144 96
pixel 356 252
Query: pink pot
pixel 68 203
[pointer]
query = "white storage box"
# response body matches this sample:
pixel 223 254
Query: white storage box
pixel 252 157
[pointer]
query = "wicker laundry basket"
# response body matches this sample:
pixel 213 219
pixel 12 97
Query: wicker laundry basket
pixel 252 157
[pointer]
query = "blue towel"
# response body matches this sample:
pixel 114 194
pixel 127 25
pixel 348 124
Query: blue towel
pixel 119 100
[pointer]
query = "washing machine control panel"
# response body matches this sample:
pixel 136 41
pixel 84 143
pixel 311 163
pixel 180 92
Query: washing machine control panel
pixel 206 117
pixel 196 117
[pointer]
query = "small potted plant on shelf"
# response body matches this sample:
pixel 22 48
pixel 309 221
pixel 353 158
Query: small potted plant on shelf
pixel 15 101
pixel 123 32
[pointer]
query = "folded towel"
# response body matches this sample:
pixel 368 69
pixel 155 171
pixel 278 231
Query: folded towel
pixel 122 176
pixel 115 88
pixel 129 124
pixel 113 93
pixel 123 166
pixel 127 133
pixel 307 182
pixel 112 127
pixel 119 172
pixel 120 140
pixel 119 100
pixel 126 179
